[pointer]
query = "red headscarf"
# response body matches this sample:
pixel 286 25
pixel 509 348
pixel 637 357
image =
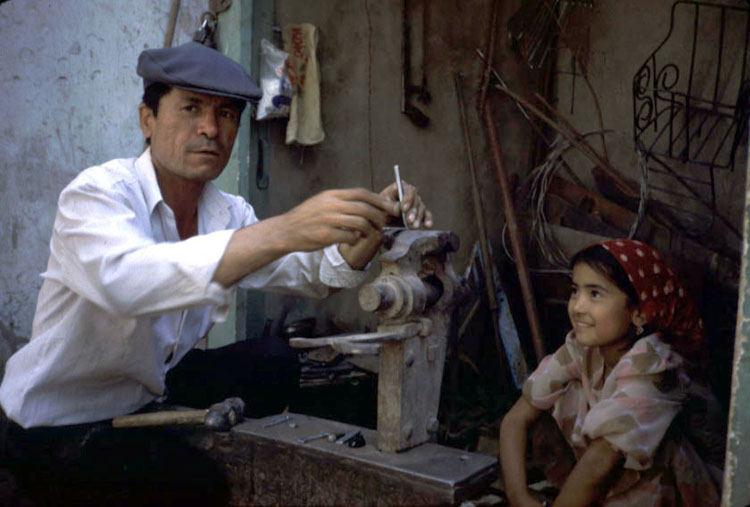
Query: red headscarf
pixel 663 299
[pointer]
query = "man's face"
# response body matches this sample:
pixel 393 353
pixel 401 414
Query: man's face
pixel 192 135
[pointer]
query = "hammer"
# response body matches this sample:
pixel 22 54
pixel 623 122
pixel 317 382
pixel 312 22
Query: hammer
pixel 219 416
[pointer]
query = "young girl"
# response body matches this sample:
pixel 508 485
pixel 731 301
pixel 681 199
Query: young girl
pixel 614 388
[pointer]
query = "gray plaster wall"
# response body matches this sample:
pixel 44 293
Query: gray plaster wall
pixel 69 100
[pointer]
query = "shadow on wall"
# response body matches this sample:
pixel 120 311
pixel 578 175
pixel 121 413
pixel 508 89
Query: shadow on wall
pixel 9 341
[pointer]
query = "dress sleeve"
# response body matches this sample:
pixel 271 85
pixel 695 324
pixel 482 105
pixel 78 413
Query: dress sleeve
pixel 649 390
pixel 552 377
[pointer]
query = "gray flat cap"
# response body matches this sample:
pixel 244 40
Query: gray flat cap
pixel 198 68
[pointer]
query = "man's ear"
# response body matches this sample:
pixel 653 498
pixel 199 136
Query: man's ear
pixel 146 118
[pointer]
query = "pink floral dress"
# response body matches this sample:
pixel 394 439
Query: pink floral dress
pixel 633 408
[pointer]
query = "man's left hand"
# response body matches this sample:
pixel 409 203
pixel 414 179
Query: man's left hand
pixel 359 254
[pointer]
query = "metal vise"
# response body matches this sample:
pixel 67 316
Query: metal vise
pixel 413 297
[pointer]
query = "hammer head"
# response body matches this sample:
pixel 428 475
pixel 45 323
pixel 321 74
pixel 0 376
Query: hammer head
pixel 222 416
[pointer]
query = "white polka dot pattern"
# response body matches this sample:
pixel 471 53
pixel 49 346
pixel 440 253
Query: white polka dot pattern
pixel 663 300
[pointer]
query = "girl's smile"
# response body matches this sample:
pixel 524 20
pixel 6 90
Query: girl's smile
pixel 599 311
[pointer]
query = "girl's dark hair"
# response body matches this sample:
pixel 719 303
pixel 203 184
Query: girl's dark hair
pixel 602 261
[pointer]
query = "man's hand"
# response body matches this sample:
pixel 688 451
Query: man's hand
pixel 337 216
pixel 359 254
pixel 414 210
pixel 334 216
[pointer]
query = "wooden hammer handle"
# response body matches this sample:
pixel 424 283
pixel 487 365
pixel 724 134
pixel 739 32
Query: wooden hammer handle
pixel 163 418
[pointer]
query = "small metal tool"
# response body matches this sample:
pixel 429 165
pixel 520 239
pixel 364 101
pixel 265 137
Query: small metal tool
pixel 400 187
pixel 357 441
pixel 317 436
pixel 348 436
pixel 277 420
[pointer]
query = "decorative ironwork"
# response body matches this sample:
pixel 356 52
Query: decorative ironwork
pixel 689 114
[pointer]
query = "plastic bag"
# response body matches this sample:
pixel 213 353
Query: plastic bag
pixel 274 82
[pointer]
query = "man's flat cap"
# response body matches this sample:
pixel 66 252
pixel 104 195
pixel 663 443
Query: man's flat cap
pixel 198 68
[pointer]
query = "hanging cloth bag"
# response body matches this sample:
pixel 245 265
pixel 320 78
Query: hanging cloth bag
pixel 305 124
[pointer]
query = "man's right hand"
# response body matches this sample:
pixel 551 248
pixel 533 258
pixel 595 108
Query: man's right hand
pixel 330 217
pixel 336 216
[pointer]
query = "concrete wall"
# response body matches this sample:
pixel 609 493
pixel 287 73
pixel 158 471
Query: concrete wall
pixel 69 100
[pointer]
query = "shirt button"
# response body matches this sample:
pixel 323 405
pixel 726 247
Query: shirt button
pixel 169 358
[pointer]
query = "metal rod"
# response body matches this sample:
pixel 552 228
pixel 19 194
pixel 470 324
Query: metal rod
pixel 539 131
pixel 490 55
pixel 174 9
pixel 489 282
pixel 697 196
pixel 574 138
pixel 515 236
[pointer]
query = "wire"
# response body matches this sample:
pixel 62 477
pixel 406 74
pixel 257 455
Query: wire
pixel 541 178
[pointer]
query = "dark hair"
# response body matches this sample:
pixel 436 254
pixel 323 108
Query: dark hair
pixel 602 261
pixel 153 94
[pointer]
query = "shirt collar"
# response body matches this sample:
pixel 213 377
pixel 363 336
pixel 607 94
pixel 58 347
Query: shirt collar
pixel 147 176
pixel 213 207
pixel 213 210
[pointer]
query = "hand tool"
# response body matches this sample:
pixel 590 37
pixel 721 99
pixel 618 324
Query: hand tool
pixel 317 436
pixel 278 420
pixel 348 436
pixel 352 439
pixel 400 187
pixel 219 416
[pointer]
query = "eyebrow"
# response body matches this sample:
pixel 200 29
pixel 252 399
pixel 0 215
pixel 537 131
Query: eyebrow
pixel 197 99
pixel 592 286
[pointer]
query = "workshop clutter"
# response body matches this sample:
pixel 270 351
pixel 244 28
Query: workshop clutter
pixel 274 82
pixel 305 123
pixel 290 80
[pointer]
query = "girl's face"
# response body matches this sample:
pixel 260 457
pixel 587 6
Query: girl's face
pixel 598 309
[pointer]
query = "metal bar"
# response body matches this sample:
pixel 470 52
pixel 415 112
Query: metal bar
pixel 689 95
pixel 174 9
pixel 721 51
pixel 575 139
pixel 721 145
pixel 515 236
pixel 490 56
pixel 686 178
pixel 747 40
pixel 489 282
pixel 706 138
pixel 539 131
pixel 698 197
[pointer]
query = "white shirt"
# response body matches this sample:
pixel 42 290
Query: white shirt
pixel 124 299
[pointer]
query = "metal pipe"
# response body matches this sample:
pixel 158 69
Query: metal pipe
pixel 515 236
pixel 489 282
pixel 174 9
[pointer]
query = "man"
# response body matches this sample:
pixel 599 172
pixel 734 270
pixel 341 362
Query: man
pixel 145 253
